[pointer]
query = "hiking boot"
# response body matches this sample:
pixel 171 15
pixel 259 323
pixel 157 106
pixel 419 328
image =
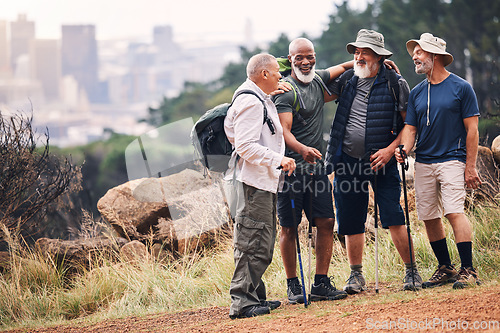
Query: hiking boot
pixel 325 291
pixel 294 292
pixel 444 274
pixel 252 311
pixel 467 277
pixel 412 280
pixel 355 283
pixel 271 304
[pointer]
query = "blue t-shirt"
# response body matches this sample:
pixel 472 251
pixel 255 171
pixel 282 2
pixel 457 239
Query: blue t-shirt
pixel 443 138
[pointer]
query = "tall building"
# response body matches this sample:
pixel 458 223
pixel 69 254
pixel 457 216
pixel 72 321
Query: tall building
pixel 4 50
pixel 248 35
pixel 22 32
pixel 45 66
pixel 167 49
pixel 79 58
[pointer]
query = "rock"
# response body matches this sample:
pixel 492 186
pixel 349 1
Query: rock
pixel 158 252
pixel 495 148
pixel 77 254
pixel 132 218
pixel 183 212
pixel 488 172
pixel 5 261
pixel 134 251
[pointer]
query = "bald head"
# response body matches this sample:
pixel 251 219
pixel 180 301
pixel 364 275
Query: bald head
pixel 300 44
pixel 303 59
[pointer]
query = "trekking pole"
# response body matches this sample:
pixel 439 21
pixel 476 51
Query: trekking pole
pixel 310 258
pixel 292 200
pixel 404 167
pixel 309 234
pixel 376 230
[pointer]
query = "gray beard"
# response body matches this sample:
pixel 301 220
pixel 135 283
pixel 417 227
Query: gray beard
pixel 425 67
pixel 302 77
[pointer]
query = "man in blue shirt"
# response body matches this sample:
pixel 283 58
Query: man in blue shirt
pixel 443 114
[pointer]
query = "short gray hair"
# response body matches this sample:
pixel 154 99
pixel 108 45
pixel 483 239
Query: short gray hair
pixel 259 62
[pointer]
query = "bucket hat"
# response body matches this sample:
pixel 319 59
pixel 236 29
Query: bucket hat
pixel 369 39
pixel 431 44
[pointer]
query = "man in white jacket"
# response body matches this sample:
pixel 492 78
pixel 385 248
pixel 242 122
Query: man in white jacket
pixel 261 156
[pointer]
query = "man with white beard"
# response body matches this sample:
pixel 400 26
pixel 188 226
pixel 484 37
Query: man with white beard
pixel 305 144
pixel 361 148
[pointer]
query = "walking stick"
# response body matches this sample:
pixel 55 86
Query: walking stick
pixel 310 236
pixel 376 231
pixel 404 167
pixel 292 200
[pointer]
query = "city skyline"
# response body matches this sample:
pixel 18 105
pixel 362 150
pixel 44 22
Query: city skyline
pixel 123 19
pixel 81 85
pixel 80 89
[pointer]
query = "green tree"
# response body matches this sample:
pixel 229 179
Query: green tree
pixel 279 48
pixel 471 30
pixel 342 28
pixel 191 102
pixel 235 72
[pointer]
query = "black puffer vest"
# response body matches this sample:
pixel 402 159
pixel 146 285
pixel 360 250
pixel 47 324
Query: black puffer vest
pixel 379 118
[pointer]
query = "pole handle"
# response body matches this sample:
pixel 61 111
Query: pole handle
pixel 403 154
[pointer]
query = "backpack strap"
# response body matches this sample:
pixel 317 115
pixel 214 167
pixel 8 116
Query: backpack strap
pixel 322 83
pixel 298 102
pixel 393 85
pixel 267 120
pixel 344 78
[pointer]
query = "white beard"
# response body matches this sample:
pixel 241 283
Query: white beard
pixel 302 77
pixel 364 71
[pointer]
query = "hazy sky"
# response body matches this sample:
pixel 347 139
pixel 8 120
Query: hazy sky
pixel 208 19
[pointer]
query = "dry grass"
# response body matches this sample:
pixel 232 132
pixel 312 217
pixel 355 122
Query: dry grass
pixel 35 291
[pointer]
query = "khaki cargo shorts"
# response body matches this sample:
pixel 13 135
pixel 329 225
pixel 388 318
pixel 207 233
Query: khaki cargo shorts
pixel 439 188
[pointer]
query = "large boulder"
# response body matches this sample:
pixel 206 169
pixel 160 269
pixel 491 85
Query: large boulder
pixel 495 149
pixel 78 254
pixel 488 172
pixel 183 212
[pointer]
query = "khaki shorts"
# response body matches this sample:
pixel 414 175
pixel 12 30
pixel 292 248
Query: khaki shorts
pixel 439 187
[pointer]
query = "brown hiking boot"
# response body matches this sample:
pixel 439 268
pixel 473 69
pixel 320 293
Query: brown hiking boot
pixel 444 274
pixel 467 277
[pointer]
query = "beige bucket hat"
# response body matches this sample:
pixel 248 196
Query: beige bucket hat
pixel 431 44
pixel 369 39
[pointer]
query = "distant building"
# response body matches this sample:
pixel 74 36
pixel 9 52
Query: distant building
pixel 46 66
pixel 248 33
pixel 22 32
pixel 4 51
pixel 167 49
pixel 79 59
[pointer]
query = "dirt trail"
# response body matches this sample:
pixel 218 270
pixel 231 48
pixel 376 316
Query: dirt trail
pixel 438 310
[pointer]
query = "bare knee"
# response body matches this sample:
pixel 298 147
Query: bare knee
pixel 325 224
pixel 288 233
